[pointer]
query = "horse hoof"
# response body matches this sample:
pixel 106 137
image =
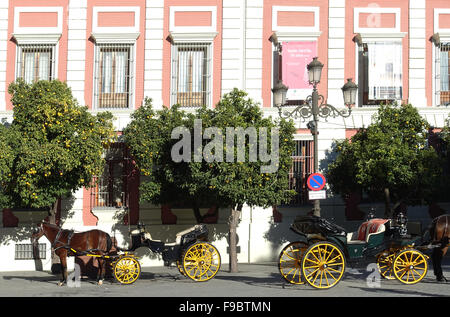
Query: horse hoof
pixel 441 279
pixel 100 282
pixel 61 284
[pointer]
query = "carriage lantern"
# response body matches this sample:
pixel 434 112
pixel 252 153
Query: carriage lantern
pixel 402 221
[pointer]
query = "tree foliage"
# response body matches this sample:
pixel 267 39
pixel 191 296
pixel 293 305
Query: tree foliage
pixel 56 146
pixel 208 181
pixel 389 160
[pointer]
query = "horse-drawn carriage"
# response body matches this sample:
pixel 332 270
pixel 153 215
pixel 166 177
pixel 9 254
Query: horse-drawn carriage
pixel 324 249
pixel 194 256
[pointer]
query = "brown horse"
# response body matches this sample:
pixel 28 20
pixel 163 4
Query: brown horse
pixel 440 235
pixel 67 243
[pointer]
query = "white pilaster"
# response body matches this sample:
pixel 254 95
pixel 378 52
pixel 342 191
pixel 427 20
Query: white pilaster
pixel 154 23
pixel 336 52
pixel 417 54
pixel 76 48
pixel 233 54
pixel 253 49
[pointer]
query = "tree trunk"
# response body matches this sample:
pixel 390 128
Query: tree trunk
pixel 387 203
pixel 56 266
pixel 233 223
pixel 198 216
pixel 52 213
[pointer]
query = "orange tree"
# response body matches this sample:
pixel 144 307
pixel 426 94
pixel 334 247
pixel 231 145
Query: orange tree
pixel 262 182
pixel 222 156
pixel 54 145
pixel 389 160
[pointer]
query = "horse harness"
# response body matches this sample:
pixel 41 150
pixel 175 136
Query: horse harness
pixel 68 247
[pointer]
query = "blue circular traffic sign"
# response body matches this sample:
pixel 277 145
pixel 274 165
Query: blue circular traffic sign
pixel 316 181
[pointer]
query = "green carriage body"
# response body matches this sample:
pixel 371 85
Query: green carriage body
pixel 377 240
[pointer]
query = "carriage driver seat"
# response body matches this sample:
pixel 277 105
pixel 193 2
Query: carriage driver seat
pixel 366 230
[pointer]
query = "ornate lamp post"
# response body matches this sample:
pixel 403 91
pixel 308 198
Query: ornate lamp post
pixel 314 107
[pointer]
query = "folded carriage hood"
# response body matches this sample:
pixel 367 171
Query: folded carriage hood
pixel 314 225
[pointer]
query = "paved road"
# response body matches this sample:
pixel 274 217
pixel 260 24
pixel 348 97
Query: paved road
pixel 253 280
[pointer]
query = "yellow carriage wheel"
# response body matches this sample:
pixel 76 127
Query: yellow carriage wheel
pixel 385 262
pixel 410 266
pixel 201 261
pixel 323 265
pixel 127 269
pixel 290 262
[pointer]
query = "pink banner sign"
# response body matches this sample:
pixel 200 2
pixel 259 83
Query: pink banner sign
pixel 296 56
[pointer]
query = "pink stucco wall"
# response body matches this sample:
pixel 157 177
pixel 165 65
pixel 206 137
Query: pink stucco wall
pixel 140 43
pixel 350 58
pixel 286 18
pixel 11 45
pixel 193 18
pixel 217 54
pixel 38 19
pixel 115 19
pixel 387 20
pixel 322 49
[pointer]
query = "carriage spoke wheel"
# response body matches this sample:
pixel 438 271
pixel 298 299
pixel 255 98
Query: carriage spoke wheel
pixel 385 261
pixel 201 261
pixel 290 262
pixel 127 269
pixel 410 266
pixel 323 265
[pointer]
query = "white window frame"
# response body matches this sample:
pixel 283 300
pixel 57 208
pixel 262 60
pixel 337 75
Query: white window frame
pixel 18 30
pixel 209 46
pixel 132 73
pixel 436 75
pixel 385 32
pixel 370 38
pixel 193 35
pixel 291 31
pixel 53 63
pixel 193 29
pixel 29 36
pixel 115 30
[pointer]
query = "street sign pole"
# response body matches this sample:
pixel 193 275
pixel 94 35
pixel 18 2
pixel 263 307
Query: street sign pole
pixel 315 112
pixel 316 184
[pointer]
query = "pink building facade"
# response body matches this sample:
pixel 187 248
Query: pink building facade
pixel 113 54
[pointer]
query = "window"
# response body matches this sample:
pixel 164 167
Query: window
pixel 111 188
pixel 302 167
pixel 191 74
pixel 36 62
pixel 25 252
pixel 113 76
pixel 443 74
pixel 380 72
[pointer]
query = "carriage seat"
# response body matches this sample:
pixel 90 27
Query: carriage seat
pixel 147 235
pixel 180 234
pixel 366 230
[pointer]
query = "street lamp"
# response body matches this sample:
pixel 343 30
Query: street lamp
pixel 279 93
pixel 315 107
pixel 314 71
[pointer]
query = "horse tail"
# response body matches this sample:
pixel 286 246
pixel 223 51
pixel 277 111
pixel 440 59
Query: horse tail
pixel 108 243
